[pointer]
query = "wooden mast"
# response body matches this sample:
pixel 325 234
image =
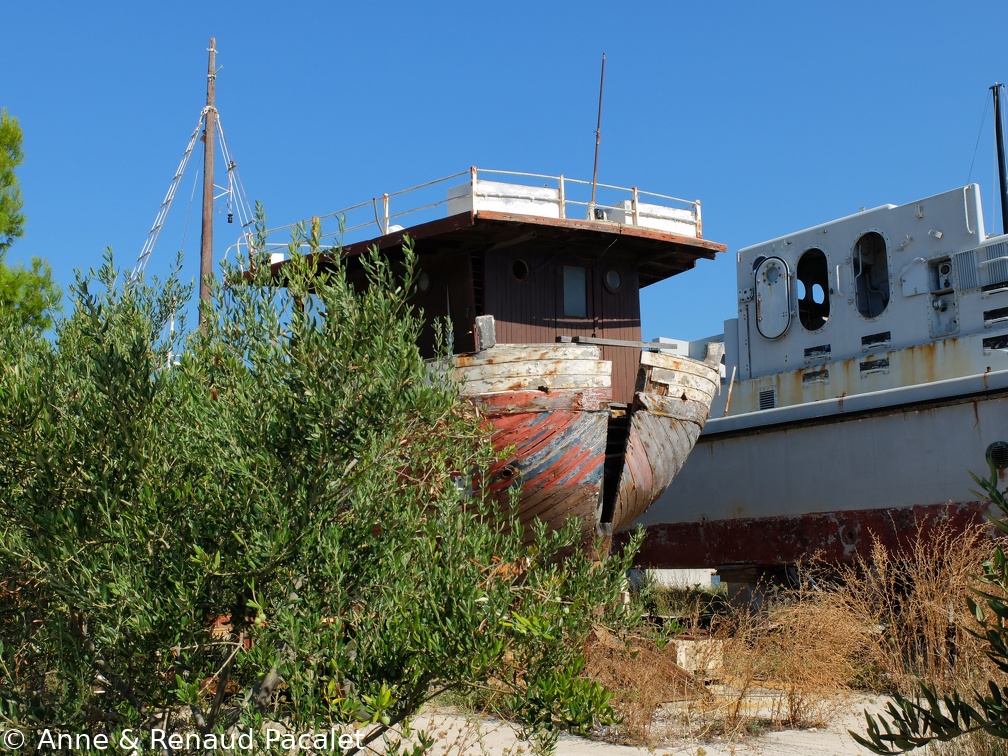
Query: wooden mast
pixel 209 132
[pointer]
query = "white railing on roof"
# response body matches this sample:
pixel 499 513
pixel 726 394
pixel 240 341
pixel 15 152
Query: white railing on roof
pixel 481 189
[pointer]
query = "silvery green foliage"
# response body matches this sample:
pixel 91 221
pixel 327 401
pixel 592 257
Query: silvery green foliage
pixel 265 519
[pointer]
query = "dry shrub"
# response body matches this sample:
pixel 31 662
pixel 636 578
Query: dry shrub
pixel 792 663
pixel 641 676
pixel 974 744
pixel 914 602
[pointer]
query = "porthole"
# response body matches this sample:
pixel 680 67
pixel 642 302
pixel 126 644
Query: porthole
pixel 813 289
pixel 423 281
pixel 612 280
pixel 520 269
pixel 997 455
pixel 871 275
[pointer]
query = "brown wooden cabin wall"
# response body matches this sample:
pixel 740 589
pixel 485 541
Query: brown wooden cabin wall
pixel 450 294
pixel 530 310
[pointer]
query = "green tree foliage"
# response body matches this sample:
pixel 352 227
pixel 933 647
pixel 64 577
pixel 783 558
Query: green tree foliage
pixel 27 295
pixel 275 525
pixel 912 723
pixel 11 218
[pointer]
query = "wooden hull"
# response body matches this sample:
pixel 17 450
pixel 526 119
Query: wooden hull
pixel 670 408
pixel 550 408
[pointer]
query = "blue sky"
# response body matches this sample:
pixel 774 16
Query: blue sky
pixel 776 116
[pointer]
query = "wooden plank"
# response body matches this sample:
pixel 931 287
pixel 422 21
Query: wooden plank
pixel 535 370
pixel 674 378
pixel 474 388
pixel 528 352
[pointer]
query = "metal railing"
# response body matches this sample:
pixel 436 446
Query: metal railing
pixel 478 188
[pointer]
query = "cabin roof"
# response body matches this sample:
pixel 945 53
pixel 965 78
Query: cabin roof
pixel 656 254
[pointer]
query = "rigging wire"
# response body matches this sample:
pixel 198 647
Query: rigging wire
pixel 166 203
pixel 983 120
pixel 192 199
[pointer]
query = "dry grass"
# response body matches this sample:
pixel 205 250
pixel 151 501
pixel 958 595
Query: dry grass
pixel 796 659
pixel 642 675
pixel 914 603
pixel 888 624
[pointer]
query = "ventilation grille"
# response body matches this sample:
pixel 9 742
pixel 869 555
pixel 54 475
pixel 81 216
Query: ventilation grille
pixel 767 399
pixel 874 339
pixel 997 454
pixel 823 350
pixel 872 366
pixel 979 268
pixel 990 316
pixel 815 376
pixel 996 342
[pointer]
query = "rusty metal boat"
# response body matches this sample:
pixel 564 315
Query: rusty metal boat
pixel 866 378
pixel 541 282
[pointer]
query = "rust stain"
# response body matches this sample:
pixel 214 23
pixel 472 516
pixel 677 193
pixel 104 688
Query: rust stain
pixel 836 537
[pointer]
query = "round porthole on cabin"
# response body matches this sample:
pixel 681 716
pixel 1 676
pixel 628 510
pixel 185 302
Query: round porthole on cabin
pixel 520 269
pixel 423 281
pixel 612 280
pixel 997 454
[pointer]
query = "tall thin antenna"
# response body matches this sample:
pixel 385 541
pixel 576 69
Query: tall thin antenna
pixel 598 139
pixel 209 132
pixel 999 135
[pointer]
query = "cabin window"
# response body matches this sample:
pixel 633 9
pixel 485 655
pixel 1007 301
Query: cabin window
pixel 813 289
pixel 520 269
pixel 612 280
pixel 575 291
pixel 871 275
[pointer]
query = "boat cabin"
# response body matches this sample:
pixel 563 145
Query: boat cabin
pixel 535 253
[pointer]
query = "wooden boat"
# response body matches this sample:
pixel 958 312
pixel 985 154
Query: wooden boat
pixel 570 449
pixel 545 329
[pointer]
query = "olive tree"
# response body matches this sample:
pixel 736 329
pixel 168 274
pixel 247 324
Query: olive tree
pixel 268 521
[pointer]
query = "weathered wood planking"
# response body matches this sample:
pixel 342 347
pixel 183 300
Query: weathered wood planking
pixel 549 405
pixel 531 353
pixel 549 408
pixel 556 457
pixel 669 411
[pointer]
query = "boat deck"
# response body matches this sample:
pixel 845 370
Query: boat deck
pixel 475 211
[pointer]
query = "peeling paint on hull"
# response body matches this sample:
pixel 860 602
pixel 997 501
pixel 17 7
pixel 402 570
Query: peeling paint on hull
pixel 549 406
pixel 557 457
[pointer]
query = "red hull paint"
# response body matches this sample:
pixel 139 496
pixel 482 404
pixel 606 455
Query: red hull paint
pixel 557 453
pixel 836 537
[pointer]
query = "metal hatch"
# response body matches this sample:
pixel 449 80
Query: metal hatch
pixel 773 298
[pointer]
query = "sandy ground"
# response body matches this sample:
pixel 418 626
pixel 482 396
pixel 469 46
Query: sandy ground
pixel 460 734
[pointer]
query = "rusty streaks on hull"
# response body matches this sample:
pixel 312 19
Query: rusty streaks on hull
pixel 556 455
pixel 836 537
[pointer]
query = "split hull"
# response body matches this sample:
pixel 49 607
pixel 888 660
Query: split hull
pixel 552 416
